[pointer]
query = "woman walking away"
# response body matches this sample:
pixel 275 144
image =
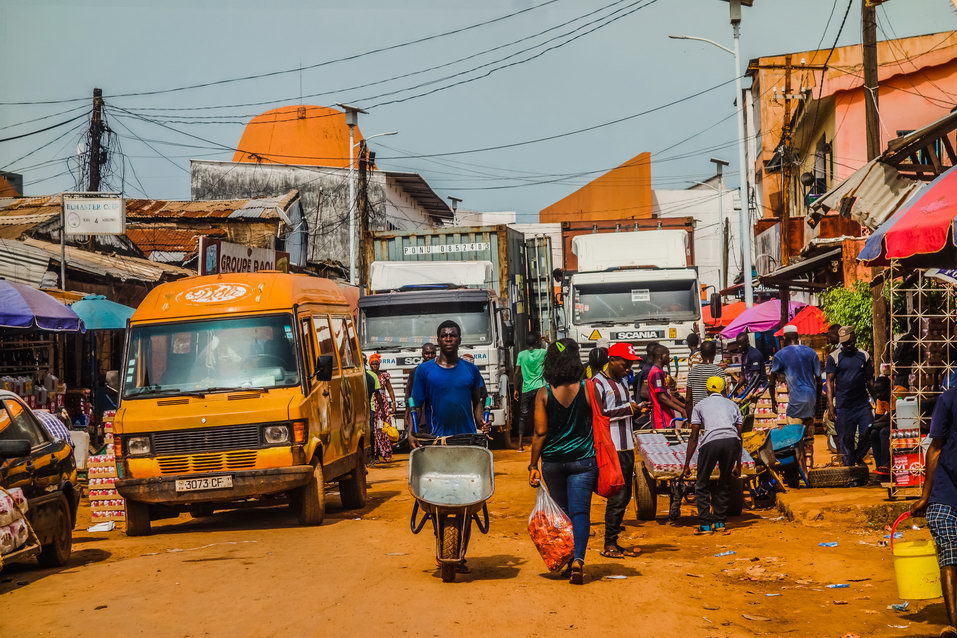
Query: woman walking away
pixel 564 441
pixel 385 409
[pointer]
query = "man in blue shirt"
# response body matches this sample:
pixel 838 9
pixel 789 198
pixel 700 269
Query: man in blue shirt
pixel 450 387
pixel 802 373
pixel 850 384
pixel 752 360
pixel 938 500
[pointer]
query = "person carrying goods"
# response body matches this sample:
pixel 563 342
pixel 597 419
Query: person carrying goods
pixel 850 379
pixel 938 500
pixel 615 403
pixel 801 369
pixel 528 380
pixel 716 421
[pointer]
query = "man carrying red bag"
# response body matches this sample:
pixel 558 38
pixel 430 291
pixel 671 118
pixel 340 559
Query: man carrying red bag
pixel 615 402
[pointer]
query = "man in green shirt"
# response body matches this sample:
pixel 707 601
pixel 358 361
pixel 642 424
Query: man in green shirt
pixel 528 379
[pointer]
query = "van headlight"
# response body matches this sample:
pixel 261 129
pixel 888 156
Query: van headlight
pixel 276 434
pixel 137 445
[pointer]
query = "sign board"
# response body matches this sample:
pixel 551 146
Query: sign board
pixel 217 256
pixel 443 249
pixel 94 215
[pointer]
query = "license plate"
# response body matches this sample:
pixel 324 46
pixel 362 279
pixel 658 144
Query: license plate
pixel 205 483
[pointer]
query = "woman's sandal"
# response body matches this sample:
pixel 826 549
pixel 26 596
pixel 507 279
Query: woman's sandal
pixel 577 576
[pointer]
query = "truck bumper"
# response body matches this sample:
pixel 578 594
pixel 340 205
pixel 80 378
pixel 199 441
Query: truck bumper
pixel 246 484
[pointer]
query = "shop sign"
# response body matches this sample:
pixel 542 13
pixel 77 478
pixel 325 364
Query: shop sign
pixel 94 215
pixel 218 257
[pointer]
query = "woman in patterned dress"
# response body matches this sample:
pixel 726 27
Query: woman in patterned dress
pixel 384 409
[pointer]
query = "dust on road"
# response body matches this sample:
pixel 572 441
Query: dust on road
pixel 256 573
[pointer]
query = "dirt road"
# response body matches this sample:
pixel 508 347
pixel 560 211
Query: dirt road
pixel 256 573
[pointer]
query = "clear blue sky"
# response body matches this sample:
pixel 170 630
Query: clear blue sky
pixel 61 49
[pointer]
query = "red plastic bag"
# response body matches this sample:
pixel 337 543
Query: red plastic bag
pixel 551 531
pixel 610 479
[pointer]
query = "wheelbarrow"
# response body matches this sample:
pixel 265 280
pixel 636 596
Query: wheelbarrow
pixel 451 484
pixel 786 443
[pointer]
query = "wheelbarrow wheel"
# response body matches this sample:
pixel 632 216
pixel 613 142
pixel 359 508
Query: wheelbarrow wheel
pixel 646 495
pixel 450 546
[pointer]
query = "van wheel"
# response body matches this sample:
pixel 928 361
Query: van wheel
pixel 201 511
pixel 353 490
pixel 312 499
pixel 57 553
pixel 138 519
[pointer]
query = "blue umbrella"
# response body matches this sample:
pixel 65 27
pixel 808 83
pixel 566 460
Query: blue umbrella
pixel 24 307
pixel 99 313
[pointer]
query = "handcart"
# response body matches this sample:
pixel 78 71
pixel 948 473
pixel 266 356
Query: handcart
pixel 451 483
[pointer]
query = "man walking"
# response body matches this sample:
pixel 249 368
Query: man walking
pixel 850 382
pixel 716 421
pixel 938 500
pixel 753 360
pixel 448 390
pixel 665 407
pixel 801 369
pixel 528 379
pixel 428 353
pixel 615 401
pixel 698 377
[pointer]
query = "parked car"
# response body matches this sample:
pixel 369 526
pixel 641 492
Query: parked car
pixel 43 467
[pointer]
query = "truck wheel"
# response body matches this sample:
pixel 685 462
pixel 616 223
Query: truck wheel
pixel 736 500
pixel 57 553
pixel 353 490
pixel 646 495
pixel 138 519
pixel 312 499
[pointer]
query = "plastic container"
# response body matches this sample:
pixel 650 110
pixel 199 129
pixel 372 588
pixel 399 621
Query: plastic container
pixel 906 409
pixel 915 566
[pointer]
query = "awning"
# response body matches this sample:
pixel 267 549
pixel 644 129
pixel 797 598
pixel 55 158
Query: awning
pixel 787 276
pixel 728 314
pixel 759 318
pixel 810 320
pixel 869 196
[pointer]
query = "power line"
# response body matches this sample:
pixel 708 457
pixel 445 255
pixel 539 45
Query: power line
pixel 43 117
pixel 44 130
pixel 299 69
pixel 40 148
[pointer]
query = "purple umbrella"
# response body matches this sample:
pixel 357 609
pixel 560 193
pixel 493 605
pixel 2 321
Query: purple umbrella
pixel 759 318
pixel 25 307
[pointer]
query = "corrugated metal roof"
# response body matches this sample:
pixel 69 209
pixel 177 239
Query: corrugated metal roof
pixel 869 196
pixel 168 240
pixel 22 264
pixel 419 189
pixel 111 266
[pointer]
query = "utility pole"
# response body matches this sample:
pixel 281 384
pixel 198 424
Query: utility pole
pixel 96 150
pixel 362 210
pixel 786 163
pixel 352 120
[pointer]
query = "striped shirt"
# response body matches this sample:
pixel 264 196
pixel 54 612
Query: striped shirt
pixel 698 381
pixel 616 405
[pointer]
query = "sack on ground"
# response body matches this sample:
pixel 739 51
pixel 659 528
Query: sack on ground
pixel 551 531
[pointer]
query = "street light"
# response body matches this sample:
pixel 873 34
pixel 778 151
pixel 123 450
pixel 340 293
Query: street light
pixel 744 222
pixel 719 165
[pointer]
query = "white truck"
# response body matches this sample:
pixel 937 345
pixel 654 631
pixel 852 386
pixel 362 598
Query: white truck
pixel 636 287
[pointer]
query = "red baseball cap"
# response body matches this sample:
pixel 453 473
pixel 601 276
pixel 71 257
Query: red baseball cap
pixel 623 350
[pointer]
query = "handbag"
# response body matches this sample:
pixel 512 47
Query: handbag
pixel 610 479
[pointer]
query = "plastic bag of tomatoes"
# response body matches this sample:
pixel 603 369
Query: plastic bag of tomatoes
pixel 551 531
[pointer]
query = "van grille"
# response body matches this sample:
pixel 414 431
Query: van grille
pixel 242 460
pixel 219 439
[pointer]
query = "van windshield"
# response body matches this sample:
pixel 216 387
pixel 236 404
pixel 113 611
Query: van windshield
pixel 211 356
pixel 625 302
pixel 409 326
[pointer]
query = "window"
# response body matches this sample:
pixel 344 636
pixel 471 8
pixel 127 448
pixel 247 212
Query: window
pixel 16 422
pixel 323 334
pixel 345 345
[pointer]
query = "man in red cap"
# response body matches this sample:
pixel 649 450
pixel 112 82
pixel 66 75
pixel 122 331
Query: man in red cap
pixel 614 398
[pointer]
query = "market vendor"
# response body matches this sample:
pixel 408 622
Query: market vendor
pixel 850 384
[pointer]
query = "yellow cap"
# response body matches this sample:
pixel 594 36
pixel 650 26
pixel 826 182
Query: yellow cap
pixel 715 384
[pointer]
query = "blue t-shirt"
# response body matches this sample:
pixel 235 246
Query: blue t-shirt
pixel 942 427
pixel 802 370
pixel 851 372
pixel 753 364
pixel 446 393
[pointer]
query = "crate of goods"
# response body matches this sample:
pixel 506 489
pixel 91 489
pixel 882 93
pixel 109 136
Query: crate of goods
pixel 106 504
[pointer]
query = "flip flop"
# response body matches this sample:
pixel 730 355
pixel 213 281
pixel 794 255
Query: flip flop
pixel 630 552
pixel 617 554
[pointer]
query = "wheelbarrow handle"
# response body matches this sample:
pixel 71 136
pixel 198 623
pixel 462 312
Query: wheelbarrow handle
pixel 417 526
pixel 900 519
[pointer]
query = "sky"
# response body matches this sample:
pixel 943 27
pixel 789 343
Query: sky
pixel 613 60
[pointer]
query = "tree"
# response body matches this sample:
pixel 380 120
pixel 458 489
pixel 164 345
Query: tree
pixel 851 307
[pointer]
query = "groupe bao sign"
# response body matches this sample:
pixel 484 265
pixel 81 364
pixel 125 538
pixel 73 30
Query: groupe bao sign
pixel 94 215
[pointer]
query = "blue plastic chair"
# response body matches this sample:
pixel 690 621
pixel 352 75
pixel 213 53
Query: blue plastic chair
pixel 784 442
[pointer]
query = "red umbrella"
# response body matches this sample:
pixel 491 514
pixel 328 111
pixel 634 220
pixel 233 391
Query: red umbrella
pixel 810 320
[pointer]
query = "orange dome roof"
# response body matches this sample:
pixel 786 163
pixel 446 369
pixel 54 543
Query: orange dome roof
pixel 313 135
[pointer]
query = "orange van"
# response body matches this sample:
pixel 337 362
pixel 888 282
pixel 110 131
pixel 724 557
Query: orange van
pixel 241 389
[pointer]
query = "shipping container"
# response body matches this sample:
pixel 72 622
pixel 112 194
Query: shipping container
pixel 570 230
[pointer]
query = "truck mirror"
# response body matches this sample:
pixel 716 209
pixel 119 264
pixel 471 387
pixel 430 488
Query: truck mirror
pixel 15 448
pixel 324 367
pixel 715 302
pixel 508 333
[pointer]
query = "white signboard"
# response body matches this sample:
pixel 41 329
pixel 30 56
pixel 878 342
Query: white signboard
pixel 94 215
pixel 447 248
pixel 217 256
pixel 640 294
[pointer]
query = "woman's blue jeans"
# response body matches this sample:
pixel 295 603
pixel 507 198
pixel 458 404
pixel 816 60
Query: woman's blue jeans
pixel 571 484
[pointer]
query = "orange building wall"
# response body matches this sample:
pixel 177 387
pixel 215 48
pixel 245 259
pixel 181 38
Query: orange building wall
pixel 298 135
pixel 622 193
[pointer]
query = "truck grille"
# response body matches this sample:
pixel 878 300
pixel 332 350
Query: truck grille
pixel 219 439
pixel 245 459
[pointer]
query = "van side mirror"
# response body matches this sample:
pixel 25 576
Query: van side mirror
pixel 324 367
pixel 715 303
pixel 508 333
pixel 13 449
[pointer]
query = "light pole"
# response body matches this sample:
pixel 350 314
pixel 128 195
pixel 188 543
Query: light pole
pixel 352 119
pixel 719 165
pixel 743 215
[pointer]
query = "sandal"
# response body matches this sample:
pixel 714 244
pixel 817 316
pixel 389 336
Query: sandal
pixel 721 528
pixel 618 552
pixel 577 576
pixel 701 530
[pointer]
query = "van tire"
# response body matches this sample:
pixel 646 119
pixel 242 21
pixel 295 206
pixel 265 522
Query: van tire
pixel 57 552
pixel 312 499
pixel 138 519
pixel 354 490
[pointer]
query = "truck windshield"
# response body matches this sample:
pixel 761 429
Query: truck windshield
pixel 412 325
pixel 210 356
pixel 628 301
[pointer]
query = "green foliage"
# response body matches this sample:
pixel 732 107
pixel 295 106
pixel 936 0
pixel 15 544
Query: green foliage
pixel 851 307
